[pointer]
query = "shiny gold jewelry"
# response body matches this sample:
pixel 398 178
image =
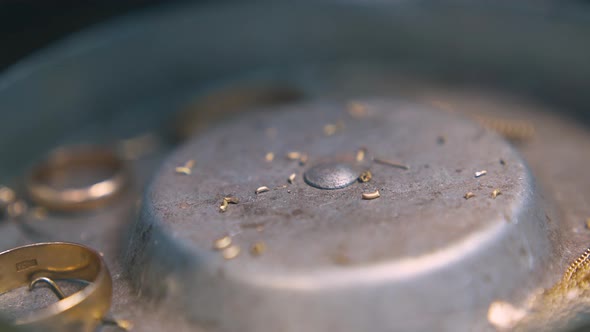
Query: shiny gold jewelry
pixel 67 159
pixel 45 262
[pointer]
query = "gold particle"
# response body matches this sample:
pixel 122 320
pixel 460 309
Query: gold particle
pixel 391 163
pixel 269 157
pixel 360 154
pixel 330 129
pixel 16 209
pixel 503 315
pixel 496 193
pixel 231 252
pixel 190 164
pixel 588 223
pixel 372 195
pixel 124 324
pixel 261 190
pixel 293 155
pixel 303 159
pixel 222 243
pixel 365 176
pixel 183 170
pixel 231 200
pixel 469 195
pixel 292 178
pixel 7 196
pixel 258 248
pixel 481 173
pixel 223 206
pixel 357 110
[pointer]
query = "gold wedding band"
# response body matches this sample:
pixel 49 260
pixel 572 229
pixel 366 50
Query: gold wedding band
pixel 81 311
pixel 60 161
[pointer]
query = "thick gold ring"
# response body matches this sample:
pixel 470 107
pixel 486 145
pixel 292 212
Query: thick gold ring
pixel 81 311
pixel 92 196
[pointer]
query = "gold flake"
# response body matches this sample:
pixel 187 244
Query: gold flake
pixel 258 248
pixel 183 170
pixel 231 200
pixel 372 195
pixel 231 252
pixel 292 178
pixel 365 176
pixel 504 315
pixel 360 154
pixel 496 193
pixel 7 196
pixel 222 243
pixel 261 190
pixel 269 157
pixel 391 163
pixel 469 195
pixel 356 110
pixel 293 155
pixel 124 324
pixel 481 173
pixel 223 206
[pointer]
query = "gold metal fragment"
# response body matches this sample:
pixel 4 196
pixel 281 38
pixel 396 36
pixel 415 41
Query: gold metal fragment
pixel 496 193
pixel 365 176
pixel 292 178
pixel 222 242
pixel 183 170
pixel 356 110
pixel 269 157
pixel 231 252
pixel 360 154
pixel 391 163
pixel 294 155
pixel 469 195
pixel 372 195
pixel 262 189
pixel 223 206
pixel 258 248
pixel 481 173
pixel 231 200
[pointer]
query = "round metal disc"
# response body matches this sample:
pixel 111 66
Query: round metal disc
pixel 423 245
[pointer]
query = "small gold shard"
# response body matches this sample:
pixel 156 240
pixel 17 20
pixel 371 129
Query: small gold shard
pixel 231 252
pixel 291 178
pixel 469 195
pixel 223 206
pixel 496 193
pixel 183 170
pixel 222 242
pixel 258 248
pixel 231 200
pixel 294 155
pixel 269 157
pixel 481 173
pixel 261 190
pixel 365 176
pixel 360 154
pixel 372 195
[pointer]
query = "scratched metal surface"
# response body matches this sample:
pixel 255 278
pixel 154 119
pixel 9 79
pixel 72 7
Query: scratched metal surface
pixel 112 83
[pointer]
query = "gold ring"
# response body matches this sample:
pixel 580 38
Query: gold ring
pixel 63 160
pixel 81 311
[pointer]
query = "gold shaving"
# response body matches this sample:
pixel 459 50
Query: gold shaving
pixel 258 248
pixel 183 170
pixel 372 195
pixel 496 193
pixel 294 155
pixel 223 206
pixel 231 200
pixel 469 195
pixel 231 252
pixel 261 190
pixel 292 178
pixel 360 154
pixel 269 157
pixel 222 242
pixel 481 173
pixel 357 110
pixel 365 176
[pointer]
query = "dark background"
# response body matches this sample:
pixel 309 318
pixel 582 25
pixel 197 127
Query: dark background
pixel 28 25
